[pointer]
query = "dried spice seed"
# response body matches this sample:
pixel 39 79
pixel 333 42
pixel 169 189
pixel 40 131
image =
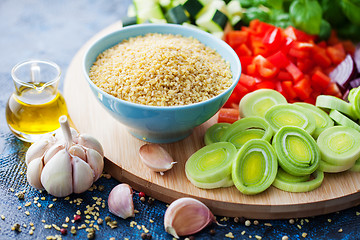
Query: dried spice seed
pixel 142 199
pixel 20 195
pixel 256 222
pixel 340 230
pixel 77 217
pixel 101 188
pixel 151 200
pixel 304 235
pixel 258 237
pixel 63 231
pixel 2 217
pixel 141 194
pixel 212 232
pixel 31 232
pixel 291 221
pixel 100 221
pixel 91 235
pixel 16 227
pixel 107 219
pixel 268 224
pixel 229 235
pixel 285 238
pixel 247 223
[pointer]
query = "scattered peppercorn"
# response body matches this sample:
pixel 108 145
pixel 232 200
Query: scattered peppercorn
pixel 20 195
pixel 77 217
pixel 141 194
pixel 107 219
pixel 63 231
pixel 100 221
pixel 101 188
pixel 91 235
pixel 151 200
pixel 247 223
pixel 16 227
pixel 212 232
pixel 142 199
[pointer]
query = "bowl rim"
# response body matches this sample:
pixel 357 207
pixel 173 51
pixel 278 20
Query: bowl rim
pixel 162 25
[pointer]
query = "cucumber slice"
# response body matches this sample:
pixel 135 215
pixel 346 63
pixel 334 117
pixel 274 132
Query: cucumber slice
pixel 148 10
pixel 176 15
pixel 193 7
pixel 246 129
pixel 129 21
pixel 214 133
pixel 211 164
pixel 330 168
pixel 225 182
pixel 234 8
pixel 290 115
pixel 341 119
pixel 298 153
pixel 339 145
pixel 330 102
pixel 300 186
pixel 322 119
pixel 212 19
pixel 255 167
pixel 131 11
pixel 282 175
pixel 258 102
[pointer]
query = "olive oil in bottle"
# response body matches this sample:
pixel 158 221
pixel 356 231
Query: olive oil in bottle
pixel 36 105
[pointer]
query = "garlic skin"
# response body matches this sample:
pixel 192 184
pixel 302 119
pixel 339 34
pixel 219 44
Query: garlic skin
pixel 120 201
pixel 156 158
pixel 61 165
pixel 186 216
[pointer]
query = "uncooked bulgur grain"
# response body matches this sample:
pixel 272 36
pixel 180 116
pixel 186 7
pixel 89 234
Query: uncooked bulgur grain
pixel 161 70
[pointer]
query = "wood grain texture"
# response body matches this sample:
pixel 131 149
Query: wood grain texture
pixel 338 191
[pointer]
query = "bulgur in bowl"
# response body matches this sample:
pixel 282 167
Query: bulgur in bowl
pixel 161 80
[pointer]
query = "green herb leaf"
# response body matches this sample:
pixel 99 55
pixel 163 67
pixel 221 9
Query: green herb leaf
pixel 306 15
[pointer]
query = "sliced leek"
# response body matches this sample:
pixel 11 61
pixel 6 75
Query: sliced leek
pixel 255 167
pixel 354 99
pixel 211 164
pixel 339 145
pixel 300 186
pixel 282 175
pixel 356 166
pixel 215 132
pixel 331 168
pixel 341 119
pixel 246 129
pixel 258 102
pixel 298 153
pixel 330 102
pixel 225 182
pixel 290 115
pixel 322 119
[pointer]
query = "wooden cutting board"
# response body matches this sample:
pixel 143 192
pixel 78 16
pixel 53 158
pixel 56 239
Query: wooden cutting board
pixel 338 191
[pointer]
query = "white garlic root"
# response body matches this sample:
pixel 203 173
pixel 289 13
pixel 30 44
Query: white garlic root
pixel 156 158
pixel 64 124
pixel 120 201
pixel 186 216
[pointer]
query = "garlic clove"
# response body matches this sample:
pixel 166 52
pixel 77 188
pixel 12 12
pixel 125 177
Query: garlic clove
pixel 120 201
pixel 83 175
pixel 56 176
pixel 77 150
pixel 96 162
pixel 59 134
pixel 54 149
pixel 38 148
pixel 186 216
pixel 90 142
pixel 33 173
pixel 156 158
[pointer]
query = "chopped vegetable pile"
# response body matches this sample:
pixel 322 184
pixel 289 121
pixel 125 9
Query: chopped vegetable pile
pixel 287 145
pixel 291 62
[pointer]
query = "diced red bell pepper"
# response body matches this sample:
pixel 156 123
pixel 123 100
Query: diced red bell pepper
pixel 320 57
pixel 245 61
pixel 247 81
pixel 334 90
pixel 234 99
pixel 280 89
pixel 336 53
pixel 294 71
pixel 243 50
pixel 349 46
pixel 268 84
pixel 264 67
pixel 298 35
pixel 284 76
pixel 303 88
pixel 279 59
pixel 319 80
pixel 236 38
pixel 228 115
pixel 241 91
pixel 289 89
pixel 273 40
pixel 305 65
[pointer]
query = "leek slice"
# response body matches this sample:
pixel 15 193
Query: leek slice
pixel 341 119
pixel 330 102
pixel 255 167
pixel 246 129
pixel 322 119
pixel 300 186
pixel 287 177
pixel 214 133
pixel 258 102
pixel 226 182
pixel 297 151
pixel 356 166
pixel 290 115
pixel 211 164
pixel 354 99
pixel 339 145
pixel 331 168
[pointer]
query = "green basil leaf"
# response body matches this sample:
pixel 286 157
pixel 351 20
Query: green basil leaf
pixel 306 15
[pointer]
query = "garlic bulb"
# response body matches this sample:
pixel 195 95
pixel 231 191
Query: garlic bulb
pixel 64 163
pixel 156 158
pixel 186 216
pixel 120 201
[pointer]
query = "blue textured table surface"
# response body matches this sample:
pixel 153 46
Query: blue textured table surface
pixel 55 30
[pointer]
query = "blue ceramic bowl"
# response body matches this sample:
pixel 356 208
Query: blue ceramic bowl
pixel 161 124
